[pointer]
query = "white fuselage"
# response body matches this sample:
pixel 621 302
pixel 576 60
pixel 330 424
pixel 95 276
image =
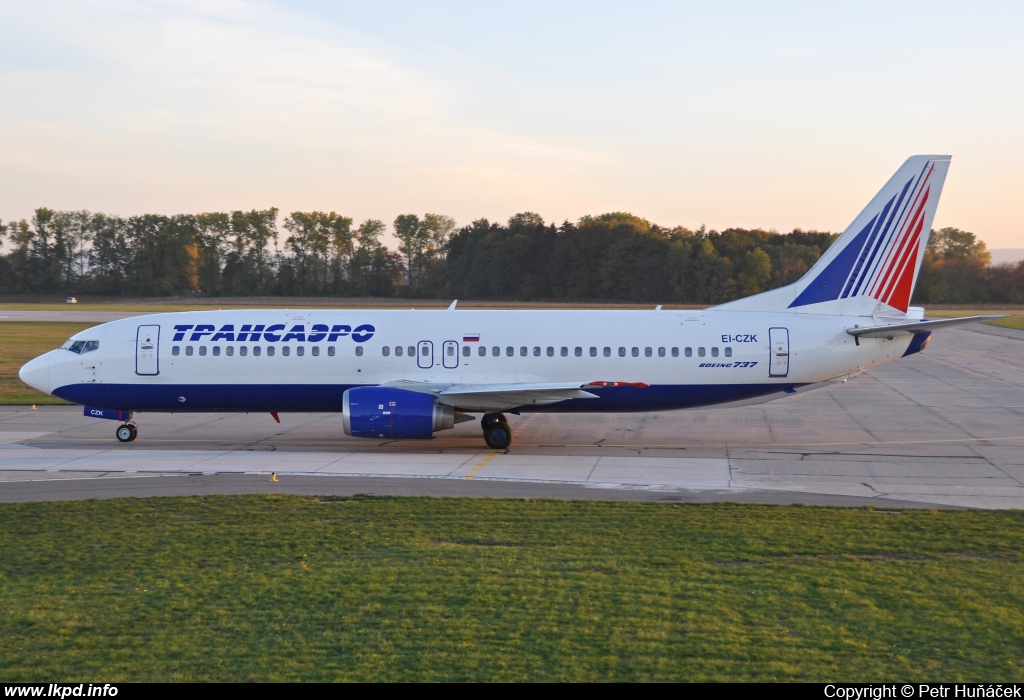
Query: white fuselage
pixel 304 360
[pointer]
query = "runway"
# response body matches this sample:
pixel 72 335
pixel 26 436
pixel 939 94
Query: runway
pixel 941 428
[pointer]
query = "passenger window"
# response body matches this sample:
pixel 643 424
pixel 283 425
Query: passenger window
pixel 551 351
pixel 700 352
pixel 607 352
pixel 689 352
pixel 410 351
pixel 330 351
pixel 675 352
pixel 243 350
pixel 256 350
pixel 728 352
pixel 661 352
pixel 647 352
pixel 482 351
pixel 635 352
pixel 300 351
pixel 286 351
pixel 593 352
pixel 509 350
pixel 270 351
pixel 202 351
pixel 466 350
pixel 385 351
pixel 315 350
pixel 398 351
pixel 564 352
pixel 622 352
pixel 425 350
pixel 523 351
pixel 495 351
pixel 450 351
pixel 216 351
pixel 579 351
pixel 229 350
pixel 536 351
pixel 714 352
pixel 359 351
pixel 175 351
pixel 188 350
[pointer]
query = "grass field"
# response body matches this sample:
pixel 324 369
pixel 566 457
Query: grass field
pixel 19 343
pixel 278 588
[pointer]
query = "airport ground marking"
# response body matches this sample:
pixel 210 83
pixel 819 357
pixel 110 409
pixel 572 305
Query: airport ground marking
pixel 481 464
pixel 986 359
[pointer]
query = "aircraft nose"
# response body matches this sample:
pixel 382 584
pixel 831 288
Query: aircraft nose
pixel 36 373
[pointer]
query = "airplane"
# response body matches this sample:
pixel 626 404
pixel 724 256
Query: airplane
pixel 397 374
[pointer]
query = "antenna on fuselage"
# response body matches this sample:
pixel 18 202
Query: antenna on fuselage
pixel 452 307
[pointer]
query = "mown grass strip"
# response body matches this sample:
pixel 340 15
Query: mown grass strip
pixel 19 343
pixel 295 588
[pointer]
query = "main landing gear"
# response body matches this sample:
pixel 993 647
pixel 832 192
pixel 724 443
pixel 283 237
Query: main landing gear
pixel 127 432
pixel 497 433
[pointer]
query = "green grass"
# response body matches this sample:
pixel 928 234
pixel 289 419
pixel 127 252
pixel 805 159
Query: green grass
pixel 1014 318
pixel 19 343
pixel 281 588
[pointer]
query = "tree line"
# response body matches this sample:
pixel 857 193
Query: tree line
pixel 611 257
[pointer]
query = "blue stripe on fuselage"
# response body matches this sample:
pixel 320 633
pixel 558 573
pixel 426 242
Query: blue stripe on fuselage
pixel 315 398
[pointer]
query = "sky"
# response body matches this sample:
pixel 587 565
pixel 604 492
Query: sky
pixel 774 115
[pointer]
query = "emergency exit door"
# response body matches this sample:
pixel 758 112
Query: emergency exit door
pixel 425 354
pixel 147 350
pixel 450 356
pixel 778 339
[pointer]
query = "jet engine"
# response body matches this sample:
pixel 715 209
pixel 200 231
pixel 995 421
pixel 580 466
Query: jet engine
pixel 380 412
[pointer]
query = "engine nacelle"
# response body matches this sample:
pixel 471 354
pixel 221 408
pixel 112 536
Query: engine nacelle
pixel 380 412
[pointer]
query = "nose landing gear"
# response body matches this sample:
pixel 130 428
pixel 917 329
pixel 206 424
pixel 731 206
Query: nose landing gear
pixel 127 432
pixel 497 433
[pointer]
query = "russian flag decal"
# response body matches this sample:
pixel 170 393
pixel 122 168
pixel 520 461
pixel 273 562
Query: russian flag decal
pixel 471 338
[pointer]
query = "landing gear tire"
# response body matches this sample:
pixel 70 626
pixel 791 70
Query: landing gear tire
pixel 498 435
pixel 126 433
pixel 135 432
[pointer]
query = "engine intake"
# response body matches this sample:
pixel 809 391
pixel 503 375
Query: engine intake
pixel 380 412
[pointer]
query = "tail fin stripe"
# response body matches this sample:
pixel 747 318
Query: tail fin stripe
pixel 910 251
pixel 899 298
pixel 888 267
pixel 867 251
pixel 882 241
pixel 907 249
pixel 830 281
pixel 888 251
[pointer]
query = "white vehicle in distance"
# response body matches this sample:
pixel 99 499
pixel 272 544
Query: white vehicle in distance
pixel 71 300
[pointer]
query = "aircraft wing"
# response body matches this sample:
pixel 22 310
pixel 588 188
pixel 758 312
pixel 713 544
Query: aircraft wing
pixel 895 329
pixel 500 397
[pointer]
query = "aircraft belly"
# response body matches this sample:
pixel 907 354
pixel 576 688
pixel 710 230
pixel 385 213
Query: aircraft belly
pixel 181 398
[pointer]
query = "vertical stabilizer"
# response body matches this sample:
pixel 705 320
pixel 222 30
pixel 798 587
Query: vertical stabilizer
pixel 873 266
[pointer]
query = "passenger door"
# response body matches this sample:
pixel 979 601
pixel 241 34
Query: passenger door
pixel 147 350
pixel 778 339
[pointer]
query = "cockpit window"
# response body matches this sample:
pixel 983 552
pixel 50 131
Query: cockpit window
pixel 81 346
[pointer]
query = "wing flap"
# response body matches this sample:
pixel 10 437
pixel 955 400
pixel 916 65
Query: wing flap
pixel 498 397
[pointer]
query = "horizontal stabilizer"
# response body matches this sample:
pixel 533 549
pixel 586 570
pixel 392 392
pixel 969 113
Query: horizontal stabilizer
pixel 895 329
